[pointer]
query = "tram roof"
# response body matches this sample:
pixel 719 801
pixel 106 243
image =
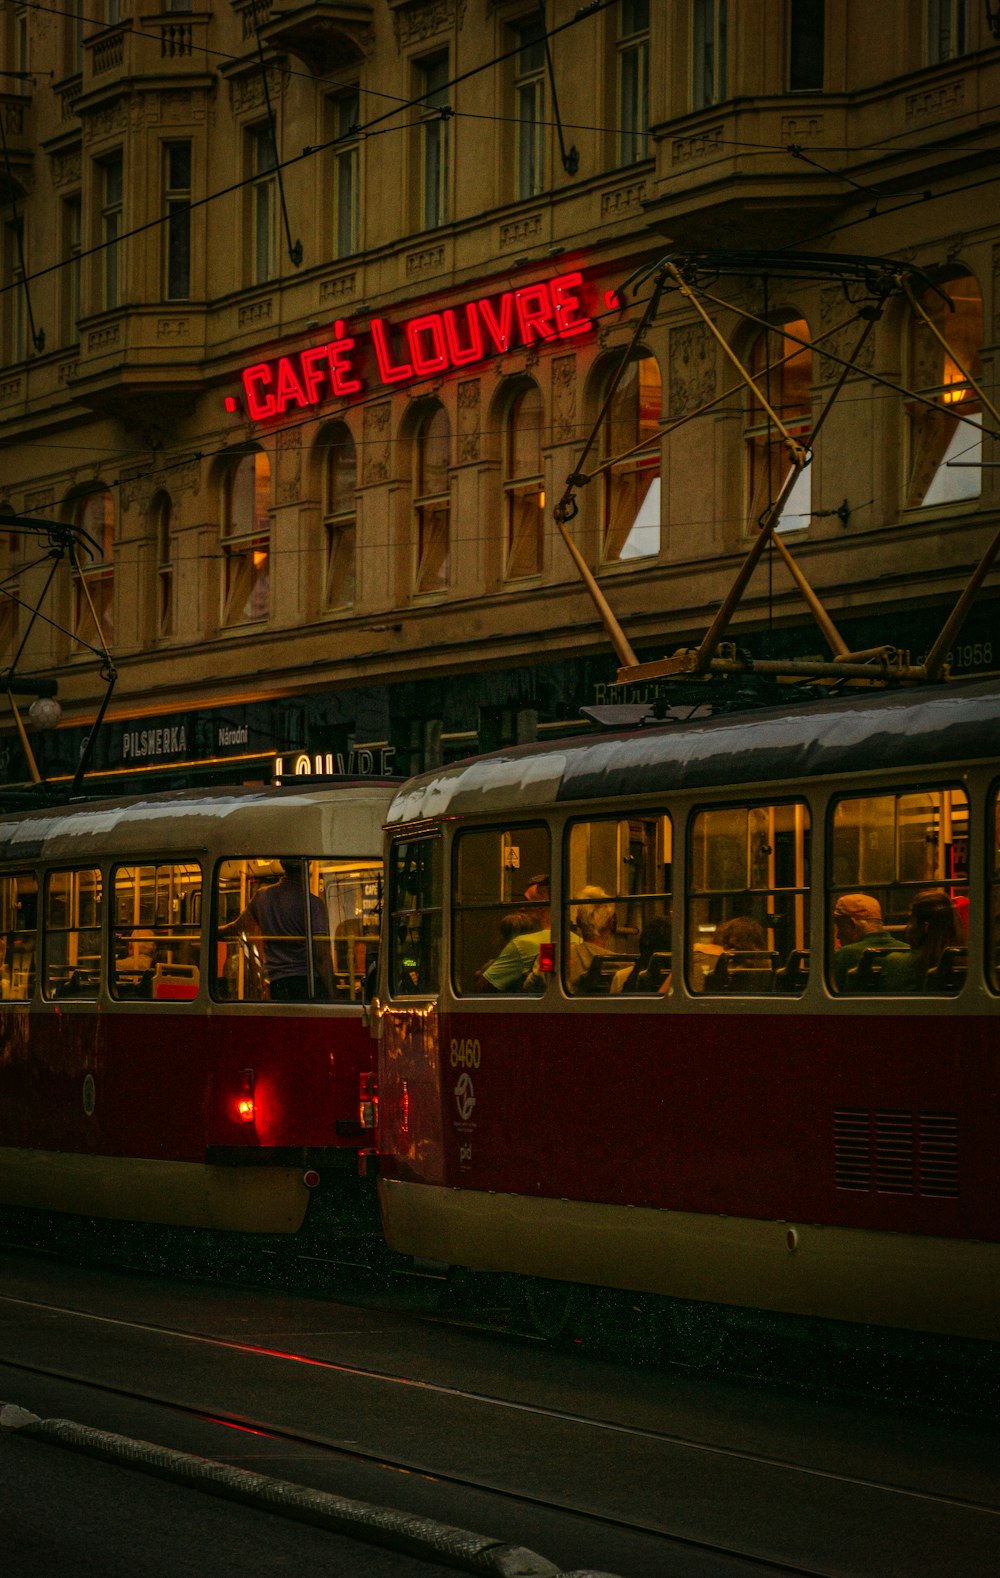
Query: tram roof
pixel 329 820
pixel 955 725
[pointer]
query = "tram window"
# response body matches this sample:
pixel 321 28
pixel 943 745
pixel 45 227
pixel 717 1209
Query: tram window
pixel 18 933
pixel 269 945
pixel 156 940
pixel 501 909
pixel 617 921
pixel 72 944
pixel 748 900
pixel 415 917
pixel 898 893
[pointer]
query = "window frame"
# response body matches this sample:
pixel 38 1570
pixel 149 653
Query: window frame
pixel 429 509
pixel 262 200
pixel 433 839
pixel 195 929
pixel 241 575
pixel 568 900
pixel 13 875
pixel 177 230
pixel 518 488
pixel 346 236
pixel 73 870
pixel 112 217
pixel 709 74
pixel 528 33
pixel 98 575
pixel 621 473
pixel 339 525
pixel 761 439
pixel 632 86
pixel 434 140
pixel 457 909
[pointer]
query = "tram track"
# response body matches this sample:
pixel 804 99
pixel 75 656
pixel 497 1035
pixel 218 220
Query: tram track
pixel 564 1507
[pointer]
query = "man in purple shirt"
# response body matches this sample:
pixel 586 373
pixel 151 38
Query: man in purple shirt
pixel 280 914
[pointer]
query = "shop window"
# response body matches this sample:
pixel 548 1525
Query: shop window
pixel 263 194
pixel 340 517
pixel 748 900
pixel 708 53
pixel 501 910
pixel 415 917
pixel 529 105
pixel 947 30
pixel 346 174
pixel 807 22
pixel 162 517
pixel 94 574
pixel 177 207
pixel 432 502
pixel 944 439
pixel 632 484
pixel 72 938
pixel 788 390
pixel 295 930
pixel 617 920
pixel 898 893
pixel 112 223
pixel 246 528
pixel 156 939
pixel 18 930
pixel 432 89
pixel 524 494
pixel 633 80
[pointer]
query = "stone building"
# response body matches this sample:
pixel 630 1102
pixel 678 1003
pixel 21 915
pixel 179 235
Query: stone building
pixel 307 309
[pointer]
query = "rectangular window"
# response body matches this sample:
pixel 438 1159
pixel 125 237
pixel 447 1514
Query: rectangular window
pixel 415 917
pixel 502 915
pixel 947 30
pixel 177 205
pixel 271 945
pixel 112 197
pixel 529 106
pixel 805 46
pixel 896 862
pixel 263 204
pixel 346 160
pixel 748 900
pixel 156 944
pixel 19 929
pixel 633 81
pixel 708 53
pixel 72 214
pixel 72 939
pixel 434 144
pixel 617 916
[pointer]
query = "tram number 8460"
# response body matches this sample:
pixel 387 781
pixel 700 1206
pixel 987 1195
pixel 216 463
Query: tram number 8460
pixel 465 1053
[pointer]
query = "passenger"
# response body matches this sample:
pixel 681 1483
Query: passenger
pixel 517 924
pixel 858 926
pixel 515 964
pixel 644 975
pixel 279 911
pixel 595 923
pixel 740 933
pixel 930 929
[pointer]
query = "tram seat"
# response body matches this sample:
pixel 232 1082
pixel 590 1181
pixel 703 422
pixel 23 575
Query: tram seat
pixel 866 975
pixel 175 982
pixel 794 973
pixel 742 970
pixel 601 971
pixel 949 972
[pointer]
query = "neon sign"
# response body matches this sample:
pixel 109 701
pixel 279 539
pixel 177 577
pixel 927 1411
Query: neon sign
pixel 432 343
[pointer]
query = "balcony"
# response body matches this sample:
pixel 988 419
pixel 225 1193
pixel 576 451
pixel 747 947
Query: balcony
pixel 143 364
pixel 324 35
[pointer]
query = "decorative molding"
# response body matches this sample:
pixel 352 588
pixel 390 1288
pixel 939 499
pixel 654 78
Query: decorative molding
pixel 256 312
pixel 519 231
pixel 831 307
pixel 14 110
pixel 172 328
pixel 801 128
pixel 246 91
pixel 692 367
pixel 10 389
pixel 68 92
pixel 375 437
pixel 415 20
pixel 942 100
pixel 68 371
pixel 700 145
pixel 107 52
pixel 67 168
pixel 107 120
pixel 564 398
pixel 41 499
pixel 102 339
pixel 468 420
pixel 136 487
pixel 425 261
pixel 289 444
pixel 340 288
pixel 623 200
pixel 253 13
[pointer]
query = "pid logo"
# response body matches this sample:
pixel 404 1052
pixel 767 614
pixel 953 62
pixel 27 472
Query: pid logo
pixel 465 1096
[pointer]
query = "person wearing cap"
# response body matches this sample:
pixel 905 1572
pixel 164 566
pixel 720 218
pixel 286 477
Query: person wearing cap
pixel 515 962
pixel 858 925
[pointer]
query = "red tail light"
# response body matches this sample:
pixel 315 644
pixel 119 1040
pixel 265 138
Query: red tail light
pixel 368 1101
pixel 547 958
pixel 245 1106
pixel 405 1118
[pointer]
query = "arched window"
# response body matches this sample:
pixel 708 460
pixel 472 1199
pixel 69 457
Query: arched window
pixel 94 579
pixel 524 495
pixel 632 484
pixel 340 517
pixel 163 548
pixel 945 442
pixel 432 502
pixel 788 390
pixel 246 528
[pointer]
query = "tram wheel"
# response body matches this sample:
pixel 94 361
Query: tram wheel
pixel 552 1306
pixel 695 1333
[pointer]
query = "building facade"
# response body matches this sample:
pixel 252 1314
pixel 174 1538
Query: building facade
pixel 307 310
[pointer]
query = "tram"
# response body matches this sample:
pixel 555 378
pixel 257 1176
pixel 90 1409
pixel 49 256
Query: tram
pixel 624 1043
pixel 181 1002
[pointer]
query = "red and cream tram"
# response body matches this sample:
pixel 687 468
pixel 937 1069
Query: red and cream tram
pixel 623 1042
pixel 181 1036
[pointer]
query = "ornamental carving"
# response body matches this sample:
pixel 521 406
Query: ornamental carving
pixel 564 398
pixel 520 231
pixel 375 438
pixel 801 128
pixel 41 499
pixel 136 487
pixel 340 289
pixel 102 339
pixel 942 100
pixel 692 368
pixel 700 145
pixel 424 262
pixel 623 200
pixel 468 420
pixel 66 168
pixel 832 309
pixel 110 120
pixel 256 312
pixel 246 92
pixel 172 328
pixel 414 20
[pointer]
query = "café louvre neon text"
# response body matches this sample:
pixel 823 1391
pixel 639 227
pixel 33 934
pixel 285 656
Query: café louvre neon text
pixel 435 342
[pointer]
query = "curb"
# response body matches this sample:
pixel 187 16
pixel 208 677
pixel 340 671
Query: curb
pixel 397 1531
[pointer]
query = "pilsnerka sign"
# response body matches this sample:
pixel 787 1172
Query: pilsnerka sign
pixel 433 343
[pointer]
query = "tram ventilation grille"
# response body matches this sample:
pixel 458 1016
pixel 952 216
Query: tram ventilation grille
pixel 896 1152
